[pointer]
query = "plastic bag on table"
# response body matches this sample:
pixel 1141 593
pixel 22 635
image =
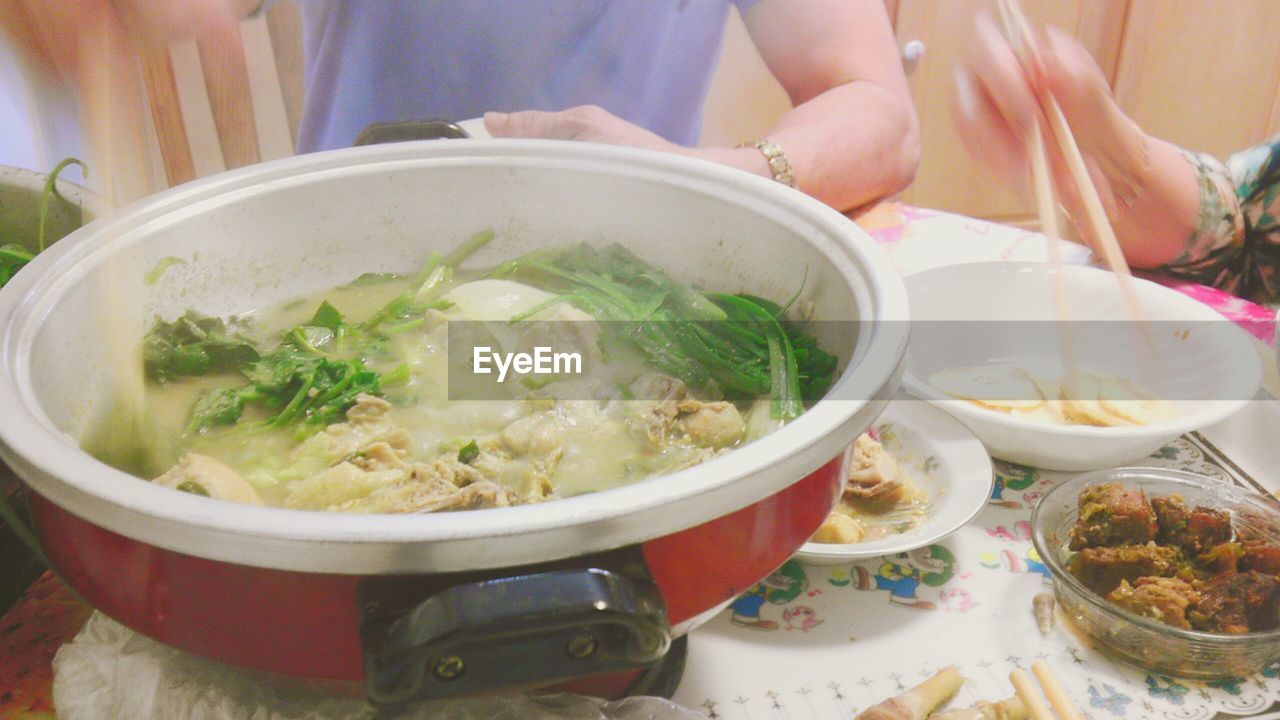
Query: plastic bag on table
pixel 109 672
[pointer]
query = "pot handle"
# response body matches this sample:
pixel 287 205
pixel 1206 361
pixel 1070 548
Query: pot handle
pixel 405 130
pixel 520 631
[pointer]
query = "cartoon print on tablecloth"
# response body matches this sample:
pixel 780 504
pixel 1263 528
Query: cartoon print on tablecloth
pixel 800 617
pixel 901 575
pixel 1010 561
pixel 1109 699
pixel 957 600
pixel 781 587
pixel 1010 477
pixel 1021 532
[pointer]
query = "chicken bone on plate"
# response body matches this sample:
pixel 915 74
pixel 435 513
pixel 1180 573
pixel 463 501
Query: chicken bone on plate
pixel 878 499
pixel 920 462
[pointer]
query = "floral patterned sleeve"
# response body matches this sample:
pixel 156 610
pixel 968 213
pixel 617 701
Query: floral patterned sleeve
pixel 1236 243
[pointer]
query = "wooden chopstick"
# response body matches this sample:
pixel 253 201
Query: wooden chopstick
pixel 1030 696
pixel 1048 209
pixel 1017 31
pixel 1053 690
pixel 114 122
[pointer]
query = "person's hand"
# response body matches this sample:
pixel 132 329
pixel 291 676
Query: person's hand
pixel 995 107
pixel 54 34
pixel 586 123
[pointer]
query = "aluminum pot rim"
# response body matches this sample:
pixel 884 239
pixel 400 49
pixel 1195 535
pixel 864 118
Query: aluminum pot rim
pixel 54 466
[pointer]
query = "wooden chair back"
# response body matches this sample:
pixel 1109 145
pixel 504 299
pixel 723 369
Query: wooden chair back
pixel 252 87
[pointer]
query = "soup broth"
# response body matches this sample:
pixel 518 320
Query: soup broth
pixel 342 400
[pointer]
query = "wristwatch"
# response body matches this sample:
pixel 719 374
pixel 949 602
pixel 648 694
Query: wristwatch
pixel 779 166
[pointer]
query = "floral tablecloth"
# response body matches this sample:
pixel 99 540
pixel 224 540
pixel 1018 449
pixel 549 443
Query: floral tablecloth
pixel 835 640
pixel 842 643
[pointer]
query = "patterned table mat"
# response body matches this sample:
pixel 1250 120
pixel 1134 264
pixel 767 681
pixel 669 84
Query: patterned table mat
pixel 822 643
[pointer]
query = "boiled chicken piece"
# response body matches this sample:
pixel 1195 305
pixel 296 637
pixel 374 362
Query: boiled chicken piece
pixel 367 425
pixel 874 476
pixel 705 424
pixel 536 434
pixel 715 424
pixel 202 475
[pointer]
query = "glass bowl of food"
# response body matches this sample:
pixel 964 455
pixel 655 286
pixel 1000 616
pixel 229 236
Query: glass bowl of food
pixel 1175 572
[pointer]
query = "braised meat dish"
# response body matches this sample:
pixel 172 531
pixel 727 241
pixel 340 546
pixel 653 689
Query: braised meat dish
pixel 1188 567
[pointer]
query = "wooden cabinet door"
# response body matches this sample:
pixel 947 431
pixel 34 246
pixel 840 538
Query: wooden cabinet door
pixel 1204 75
pixel 948 178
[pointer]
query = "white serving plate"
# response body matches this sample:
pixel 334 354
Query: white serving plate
pixel 941 456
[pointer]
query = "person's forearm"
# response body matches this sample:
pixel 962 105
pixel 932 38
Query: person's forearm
pixel 1156 197
pixel 849 146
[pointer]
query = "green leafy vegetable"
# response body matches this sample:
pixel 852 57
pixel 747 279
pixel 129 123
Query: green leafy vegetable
pixel 316 372
pixel 193 345
pixel 14 256
pixel 220 406
pixel 784 374
pixel 153 275
pixel 51 189
pixel 372 279
pixel 469 453
pixel 435 274
pixel 293 386
pixel 738 343
pixel 296 383
pixel 396 377
pixel 468 248
pixel 327 316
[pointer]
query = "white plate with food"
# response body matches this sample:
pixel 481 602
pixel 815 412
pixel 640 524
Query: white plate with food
pixel 987 346
pixel 916 477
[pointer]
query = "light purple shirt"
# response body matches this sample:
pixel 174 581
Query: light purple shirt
pixel 646 61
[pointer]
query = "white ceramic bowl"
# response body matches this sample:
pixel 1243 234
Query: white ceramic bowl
pixel 943 458
pixel 980 313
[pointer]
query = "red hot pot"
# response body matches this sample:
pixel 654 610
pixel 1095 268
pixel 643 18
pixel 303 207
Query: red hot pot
pixel 596 585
